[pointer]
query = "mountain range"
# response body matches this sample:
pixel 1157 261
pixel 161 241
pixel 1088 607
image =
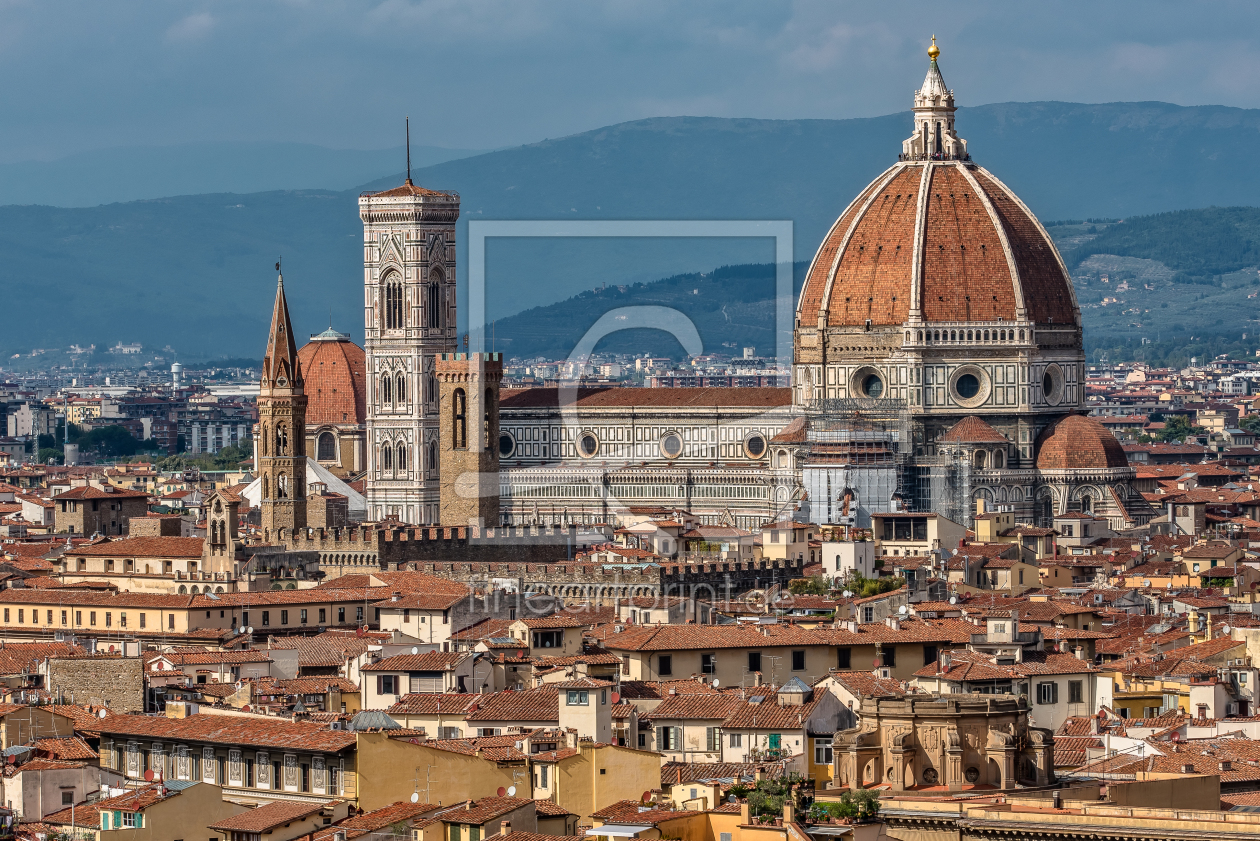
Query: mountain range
pixel 193 272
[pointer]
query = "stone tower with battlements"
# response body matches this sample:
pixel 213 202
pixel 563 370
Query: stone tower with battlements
pixel 469 423
pixel 281 445
pixel 409 320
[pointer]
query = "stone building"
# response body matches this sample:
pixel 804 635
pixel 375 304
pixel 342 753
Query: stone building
pixel 336 402
pixel 281 448
pixel 408 320
pixel 955 741
pixel 468 389
pixel 106 510
pixel 937 359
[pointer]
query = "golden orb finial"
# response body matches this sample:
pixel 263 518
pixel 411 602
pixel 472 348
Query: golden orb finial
pixel 933 51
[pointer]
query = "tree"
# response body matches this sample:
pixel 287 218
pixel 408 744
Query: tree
pixel 1177 427
pixel 815 585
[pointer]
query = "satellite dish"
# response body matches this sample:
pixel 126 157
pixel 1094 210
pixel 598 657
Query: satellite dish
pixel 415 797
pixel 511 791
pixel 148 776
pixel 877 662
pixel 953 600
pixel 848 594
pixel 1225 629
pixel 415 649
pixel 732 799
pixel 616 696
pixel 102 714
pixel 647 795
pixel 502 791
pixel 903 610
pixel 241 630
pixel 250 630
pixel 716 683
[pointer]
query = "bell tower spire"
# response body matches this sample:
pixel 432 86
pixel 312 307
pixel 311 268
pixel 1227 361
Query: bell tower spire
pixel 280 450
pixel 934 137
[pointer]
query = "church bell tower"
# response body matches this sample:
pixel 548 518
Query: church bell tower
pixel 408 322
pixel 282 428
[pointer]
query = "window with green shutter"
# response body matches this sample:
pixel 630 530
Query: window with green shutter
pixel 454 832
pixel 474 833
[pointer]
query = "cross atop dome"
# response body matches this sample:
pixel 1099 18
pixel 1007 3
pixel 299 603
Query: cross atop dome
pixel 934 137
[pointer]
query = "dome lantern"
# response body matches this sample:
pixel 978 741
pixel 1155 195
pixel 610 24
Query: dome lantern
pixel 934 137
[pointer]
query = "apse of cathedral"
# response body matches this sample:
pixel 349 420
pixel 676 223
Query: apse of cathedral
pixel 937 361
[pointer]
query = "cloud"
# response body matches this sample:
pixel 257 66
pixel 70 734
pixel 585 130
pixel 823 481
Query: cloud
pixel 192 28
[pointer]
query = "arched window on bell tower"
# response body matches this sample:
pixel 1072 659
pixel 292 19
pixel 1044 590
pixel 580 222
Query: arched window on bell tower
pixel 400 389
pixel 387 388
pixel 433 305
pixel 459 419
pixel 392 293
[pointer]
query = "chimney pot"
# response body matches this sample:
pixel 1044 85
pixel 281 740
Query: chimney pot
pixel 505 827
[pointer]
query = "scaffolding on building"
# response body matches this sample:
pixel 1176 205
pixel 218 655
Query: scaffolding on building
pixel 860 458
pixel 944 486
pixel 857 458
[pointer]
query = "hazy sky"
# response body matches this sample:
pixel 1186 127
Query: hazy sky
pixel 482 73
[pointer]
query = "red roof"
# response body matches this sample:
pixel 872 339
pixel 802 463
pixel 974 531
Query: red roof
pixel 1078 442
pixel 972 430
pixel 336 382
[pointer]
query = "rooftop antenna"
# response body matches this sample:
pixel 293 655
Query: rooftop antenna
pixel 408 123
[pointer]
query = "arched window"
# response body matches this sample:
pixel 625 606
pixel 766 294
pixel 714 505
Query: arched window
pixel 435 298
pixel 459 419
pixel 401 390
pixel 387 458
pixel 980 459
pixel 433 455
pixel 387 388
pixel 263 434
pixel 393 293
pixel 282 486
pixel 326 447
pixel 282 440
pixel 432 386
pixel 1087 504
pixel 266 489
pixel 488 430
pixel 999 459
pixel 400 461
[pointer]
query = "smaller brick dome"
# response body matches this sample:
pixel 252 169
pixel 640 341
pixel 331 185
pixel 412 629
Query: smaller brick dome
pixel 335 371
pixel 1078 442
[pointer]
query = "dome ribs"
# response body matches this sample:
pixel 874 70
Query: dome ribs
pixel 965 274
pixel 814 290
pixel 336 382
pixel 1079 442
pixel 873 277
pixel 1047 288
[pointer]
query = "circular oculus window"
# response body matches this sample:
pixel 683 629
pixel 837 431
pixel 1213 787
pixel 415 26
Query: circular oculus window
pixel 588 444
pixel 872 385
pixel 969 385
pixel 1052 384
pixel 671 445
pixel 755 446
pixel 507 444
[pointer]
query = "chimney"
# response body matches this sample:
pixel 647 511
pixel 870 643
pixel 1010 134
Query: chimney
pixel 468 805
pixel 395 596
pixel 1079 651
pixel 505 827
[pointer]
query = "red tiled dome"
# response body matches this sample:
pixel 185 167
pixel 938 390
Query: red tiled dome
pixel 970 246
pixel 1078 442
pixel 336 380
